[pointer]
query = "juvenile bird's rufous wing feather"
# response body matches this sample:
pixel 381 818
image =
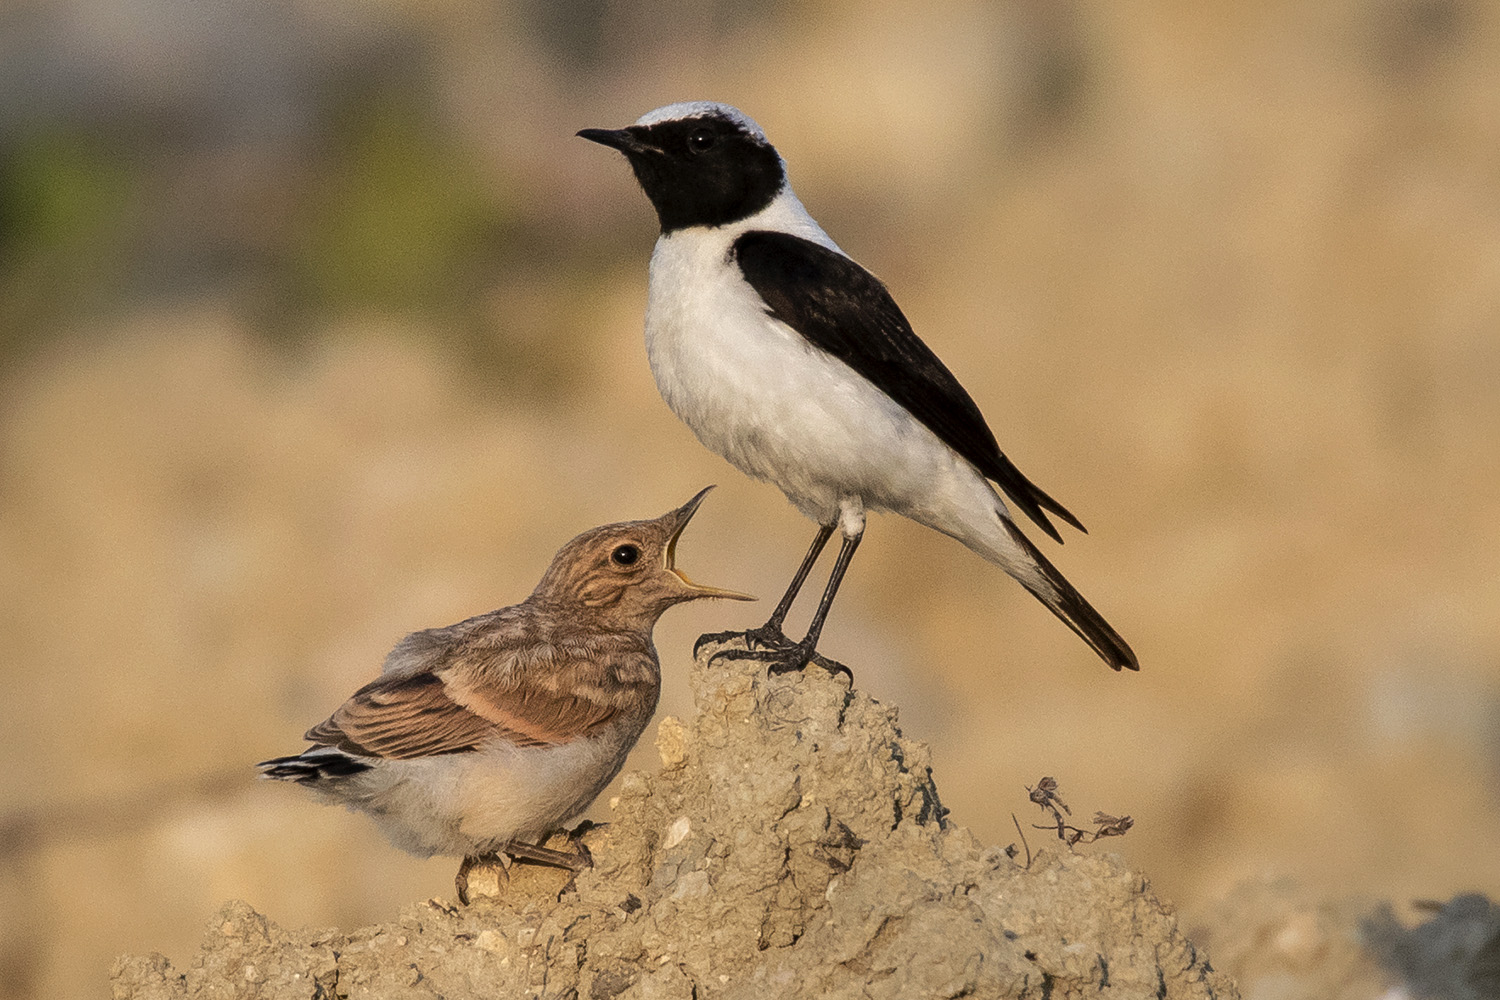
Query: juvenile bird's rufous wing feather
pixel 425 715
pixel 532 712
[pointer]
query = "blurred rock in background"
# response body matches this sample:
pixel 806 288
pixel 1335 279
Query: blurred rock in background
pixel 318 327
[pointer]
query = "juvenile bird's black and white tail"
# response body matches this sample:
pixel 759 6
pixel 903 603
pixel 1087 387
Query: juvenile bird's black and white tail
pixel 1062 600
pixel 316 765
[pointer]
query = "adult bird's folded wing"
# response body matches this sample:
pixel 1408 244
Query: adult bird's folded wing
pixel 845 310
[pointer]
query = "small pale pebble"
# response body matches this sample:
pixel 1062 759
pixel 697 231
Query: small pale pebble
pixel 671 743
pixel 614 802
pixel 488 940
pixel 677 832
pixel 487 880
pixel 525 936
pixel 401 941
pixel 723 979
pixel 691 885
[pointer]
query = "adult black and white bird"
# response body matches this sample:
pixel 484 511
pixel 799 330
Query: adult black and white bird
pixel 794 363
pixel 480 739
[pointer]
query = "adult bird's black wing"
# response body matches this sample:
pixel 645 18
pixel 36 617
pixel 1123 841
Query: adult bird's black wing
pixel 845 310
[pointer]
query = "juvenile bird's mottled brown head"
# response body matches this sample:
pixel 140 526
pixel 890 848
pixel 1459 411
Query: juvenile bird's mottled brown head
pixel 626 572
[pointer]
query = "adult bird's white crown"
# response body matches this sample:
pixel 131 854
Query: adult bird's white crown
pixel 794 363
pixel 684 110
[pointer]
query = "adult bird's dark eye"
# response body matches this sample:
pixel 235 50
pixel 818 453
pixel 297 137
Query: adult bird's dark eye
pixel 625 555
pixel 701 140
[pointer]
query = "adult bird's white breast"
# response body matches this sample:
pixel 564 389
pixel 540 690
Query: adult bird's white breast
pixel 780 409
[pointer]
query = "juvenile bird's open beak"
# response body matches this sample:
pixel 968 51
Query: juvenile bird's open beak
pixel 679 519
pixel 615 138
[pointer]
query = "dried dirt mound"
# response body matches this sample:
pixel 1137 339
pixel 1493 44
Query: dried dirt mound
pixel 793 845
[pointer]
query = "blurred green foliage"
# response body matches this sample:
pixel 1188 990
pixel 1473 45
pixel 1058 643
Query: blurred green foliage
pixel 64 201
pixel 399 220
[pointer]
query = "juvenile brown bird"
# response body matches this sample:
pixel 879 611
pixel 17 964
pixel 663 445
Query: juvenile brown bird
pixel 482 738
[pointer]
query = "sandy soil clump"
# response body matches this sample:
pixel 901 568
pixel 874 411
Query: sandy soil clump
pixel 792 845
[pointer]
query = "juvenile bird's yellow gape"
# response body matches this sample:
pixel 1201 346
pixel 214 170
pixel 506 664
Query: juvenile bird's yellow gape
pixel 482 738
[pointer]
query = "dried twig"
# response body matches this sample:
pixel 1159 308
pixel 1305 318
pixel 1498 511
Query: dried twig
pixel 1045 795
pixel 1023 840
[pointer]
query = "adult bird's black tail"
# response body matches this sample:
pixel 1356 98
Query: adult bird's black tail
pixel 1068 604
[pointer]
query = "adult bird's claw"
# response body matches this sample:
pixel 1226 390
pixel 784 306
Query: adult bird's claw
pixel 715 639
pixel 787 659
pixel 768 636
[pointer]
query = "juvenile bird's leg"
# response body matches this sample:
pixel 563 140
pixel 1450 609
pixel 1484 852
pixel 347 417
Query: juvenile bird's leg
pixel 798 655
pixel 574 860
pixel 770 634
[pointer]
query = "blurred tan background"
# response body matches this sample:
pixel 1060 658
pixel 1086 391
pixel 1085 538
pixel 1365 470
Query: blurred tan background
pixel 318 326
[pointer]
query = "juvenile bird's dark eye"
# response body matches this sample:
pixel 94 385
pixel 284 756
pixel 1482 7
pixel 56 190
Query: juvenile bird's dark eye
pixel 625 555
pixel 701 140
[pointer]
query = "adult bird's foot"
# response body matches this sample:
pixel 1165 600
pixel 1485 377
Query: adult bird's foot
pixel 715 639
pixel 793 656
pixel 768 636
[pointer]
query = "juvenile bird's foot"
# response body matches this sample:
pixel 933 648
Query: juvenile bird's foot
pixel 575 860
pixel 785 659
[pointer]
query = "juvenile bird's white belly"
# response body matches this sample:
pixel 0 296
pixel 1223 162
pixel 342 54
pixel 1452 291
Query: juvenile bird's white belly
pixel 756 392
pixel 474 803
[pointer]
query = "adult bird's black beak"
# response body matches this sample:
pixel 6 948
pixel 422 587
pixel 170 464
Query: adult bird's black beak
pixel 616 138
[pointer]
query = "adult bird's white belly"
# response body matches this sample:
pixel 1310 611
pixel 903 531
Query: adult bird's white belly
pixel 782 410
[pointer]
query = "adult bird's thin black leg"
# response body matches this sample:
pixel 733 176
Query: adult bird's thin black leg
pixel 770 634
pixel 796 656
